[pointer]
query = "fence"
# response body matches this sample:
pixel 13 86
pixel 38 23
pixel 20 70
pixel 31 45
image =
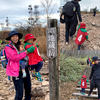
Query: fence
pixel 81 53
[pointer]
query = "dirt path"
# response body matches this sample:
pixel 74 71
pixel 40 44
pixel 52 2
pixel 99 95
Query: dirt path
pixel 7 91
pixel 67 89
pixel 93 29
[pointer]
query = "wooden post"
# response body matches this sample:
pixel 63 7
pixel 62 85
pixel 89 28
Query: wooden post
pixel 52 53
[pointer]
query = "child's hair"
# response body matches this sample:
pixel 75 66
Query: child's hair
pixel 18 46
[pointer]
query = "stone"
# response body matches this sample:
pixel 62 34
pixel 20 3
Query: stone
pixel 38 91
pixel 11 97
pixel 44 71
pixel 2 98
pixel 45 83
pixel 46 89
pixel 47 97
pixel 11 87
pixel 36 82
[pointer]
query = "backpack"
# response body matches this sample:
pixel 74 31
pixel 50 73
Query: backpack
pixel 4 59
pixel 69 9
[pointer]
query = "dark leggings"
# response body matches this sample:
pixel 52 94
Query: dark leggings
pixel 83 90
pixel 19 86
pixel 37 66
pixel 95 84
pixel 71 24
pixel 79 47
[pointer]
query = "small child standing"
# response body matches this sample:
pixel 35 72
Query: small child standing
pixel 35 60
pixel 83 82
pixel 82 35
pixel 23 62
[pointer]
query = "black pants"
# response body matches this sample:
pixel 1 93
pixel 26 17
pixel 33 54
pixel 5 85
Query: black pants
pixel 83 90
pixel 95 84
pixel 71 24
pixel 79 47
pixel 94 13
pixel 18 83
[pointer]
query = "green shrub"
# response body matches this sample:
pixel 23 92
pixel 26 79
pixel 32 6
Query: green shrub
pixel 71 68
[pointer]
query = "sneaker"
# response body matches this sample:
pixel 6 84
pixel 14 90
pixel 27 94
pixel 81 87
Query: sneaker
pixel 77 49
pixel 33 75
pixel 39 79
pixel 66 43
pixel 37 74
pixel 24 75
pixel 89 94
pixel 83 93
pixel 71 37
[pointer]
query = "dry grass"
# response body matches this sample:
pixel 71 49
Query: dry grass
pixel 43 45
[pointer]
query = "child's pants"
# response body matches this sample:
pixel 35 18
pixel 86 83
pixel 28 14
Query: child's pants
pixel 95 83
pixel 83 90
pixel 79 47
pixel 37 66
pixel 22 63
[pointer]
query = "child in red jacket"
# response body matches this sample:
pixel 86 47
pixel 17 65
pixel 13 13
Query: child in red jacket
pixel 83 82
pixel 35 60
pixel 82 35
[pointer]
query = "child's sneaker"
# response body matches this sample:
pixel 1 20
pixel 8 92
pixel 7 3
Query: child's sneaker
pixel 71 37
pixel 37 74
pixel 24 75
pixel 83 93
pixel 39 79
pixel 33 75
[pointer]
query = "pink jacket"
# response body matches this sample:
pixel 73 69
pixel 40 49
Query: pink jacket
pixel 13 61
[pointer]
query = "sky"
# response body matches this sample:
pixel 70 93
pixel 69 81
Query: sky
pixel 86 4
pixel 17 11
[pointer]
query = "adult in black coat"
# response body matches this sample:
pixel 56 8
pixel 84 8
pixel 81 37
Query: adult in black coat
pixel 95 76
pixel 71 22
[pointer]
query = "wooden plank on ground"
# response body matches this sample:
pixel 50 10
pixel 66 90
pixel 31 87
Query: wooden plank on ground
pixel 86 95
pixel 79 89
pixel 88 86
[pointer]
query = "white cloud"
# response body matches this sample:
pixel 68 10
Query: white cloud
pixel 86 3
pixel 17 10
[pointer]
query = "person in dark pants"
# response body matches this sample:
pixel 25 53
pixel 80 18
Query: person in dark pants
pixel 13 67
pixel 71 22
pixel 95 76
pixel 94 11
pixel 18 83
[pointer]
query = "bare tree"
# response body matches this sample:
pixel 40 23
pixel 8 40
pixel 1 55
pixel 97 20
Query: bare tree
pixel 48 7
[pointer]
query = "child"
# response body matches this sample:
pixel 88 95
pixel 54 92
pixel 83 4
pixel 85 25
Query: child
pixel 35 60
pixel 82 35
pixel 23 62
pixel 95 76
pixel 83 83
pixel 89 61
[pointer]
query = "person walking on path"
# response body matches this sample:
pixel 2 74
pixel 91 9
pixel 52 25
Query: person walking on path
pixel 82 35
pixel 70 11
pixel 13 67
pixel 95 76
pixel 83 82
pixel 94 11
